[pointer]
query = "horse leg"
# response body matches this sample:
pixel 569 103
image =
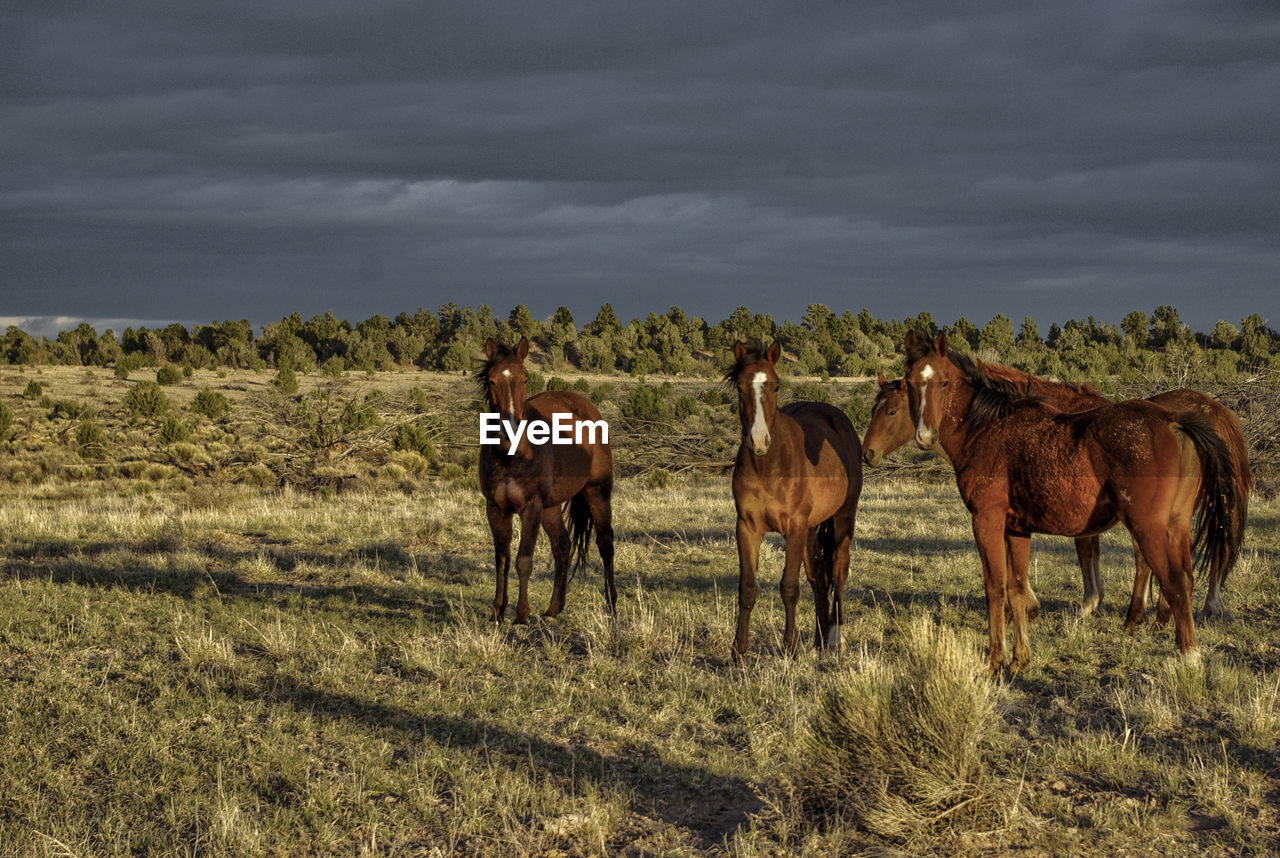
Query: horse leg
pixel 815 568
pixel 1087 552
pixel 1021 598
pixel 553 524
pixel 500 525
pixel 1167 551
pixel 602 516
pixel 749 536
pixel 530 519
pixel 839 575
pixel 1141 581
pixel 797 541
pixel 988 533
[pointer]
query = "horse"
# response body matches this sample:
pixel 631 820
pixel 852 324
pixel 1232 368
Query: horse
pixel 798 473
pixel 891 427
pixel 1023 465
pixel 565 488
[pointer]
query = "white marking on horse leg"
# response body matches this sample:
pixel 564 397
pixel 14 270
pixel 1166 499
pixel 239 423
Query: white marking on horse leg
pixel 833 636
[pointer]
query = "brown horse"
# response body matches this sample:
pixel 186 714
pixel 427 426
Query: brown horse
pixel 537 481
pixel 1024 466
pixel 798 473
pixel 891 427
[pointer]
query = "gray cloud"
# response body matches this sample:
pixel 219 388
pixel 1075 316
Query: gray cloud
pixel 1054 160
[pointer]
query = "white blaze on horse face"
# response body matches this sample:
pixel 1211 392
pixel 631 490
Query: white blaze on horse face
pixel 759 429
pixel 924 435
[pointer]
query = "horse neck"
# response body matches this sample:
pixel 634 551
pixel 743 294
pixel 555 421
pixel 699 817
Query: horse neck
pixel 954 429
pixel 779 458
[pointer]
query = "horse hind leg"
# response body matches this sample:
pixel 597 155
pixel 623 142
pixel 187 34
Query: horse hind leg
pixel 600 505
pixel 1022 600
pixel 561 548
pixel 839 575
pixel 1087 553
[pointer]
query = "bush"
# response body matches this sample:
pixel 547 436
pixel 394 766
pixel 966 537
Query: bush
pixel 646 404
pixel 685 406
pixel 91 443
pixel 6 420
pixel 286 381
pixel 168 374
pixel 812 391
pixel 146 400
pixel 901 746
pixel 558 383
pixel 535 384
pixel 415 438
pixel 34 390
pixel 210 403
pixel 174 431
pixel 602 392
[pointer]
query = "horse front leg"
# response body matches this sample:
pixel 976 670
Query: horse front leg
pixel 598 501
pixel 1138 599
pixel 988 533
pixel 1021 598
pixel 839 575
pixel 530 520
pixel 749 536
pixel 500 526
pixel 797 543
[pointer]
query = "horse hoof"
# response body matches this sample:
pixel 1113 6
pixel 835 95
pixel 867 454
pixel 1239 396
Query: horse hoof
pixel 1033 612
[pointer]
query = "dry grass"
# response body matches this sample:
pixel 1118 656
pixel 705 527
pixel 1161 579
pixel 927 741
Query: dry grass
pixel 200 666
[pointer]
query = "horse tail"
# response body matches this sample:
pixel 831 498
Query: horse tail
pixel 580 524
pixel 1233 434
pixel 1216 536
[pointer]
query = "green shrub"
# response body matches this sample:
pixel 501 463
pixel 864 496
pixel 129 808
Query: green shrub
pixel 63 409
pixel 416 438
pixel 6 420
pixel 685 406
pixel 91 442
pixel 168 374
pixel 34 390
pixel 286 380
pixel 558 383
pixel 535 384
pixel 582 386
pixel 812 391
pixel 188 370
pixel 715 396
pixel 210 403
pixel 646 404
pixel 602 392
pixel 174 430
pixel 146 400
pixel 334 366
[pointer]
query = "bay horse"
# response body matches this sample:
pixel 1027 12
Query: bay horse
pixel 798 473
pixel 1023 465
pixel 891 427
pixel 565 489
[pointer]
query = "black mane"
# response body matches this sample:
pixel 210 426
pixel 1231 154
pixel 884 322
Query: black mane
pixel 993 397
pixel 755 353
pixel 481 378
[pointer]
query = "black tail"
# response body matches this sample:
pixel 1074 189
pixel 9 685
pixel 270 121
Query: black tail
pixel 580 524
pixel 1215 536
pixel 826 548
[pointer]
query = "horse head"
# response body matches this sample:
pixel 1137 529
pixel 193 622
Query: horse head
pixel 890 425
pixel 930 380
pixel 755 375
pixel 504 379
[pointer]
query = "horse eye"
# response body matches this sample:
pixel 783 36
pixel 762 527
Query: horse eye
pixel 893 412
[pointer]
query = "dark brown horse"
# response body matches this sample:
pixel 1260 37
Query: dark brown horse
pixel 798 473
pixel 537 481
pixel 891 427
pixel 1023 466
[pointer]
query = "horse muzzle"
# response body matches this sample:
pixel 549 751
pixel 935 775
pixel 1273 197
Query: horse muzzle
pixel 926 438
pixel 872 457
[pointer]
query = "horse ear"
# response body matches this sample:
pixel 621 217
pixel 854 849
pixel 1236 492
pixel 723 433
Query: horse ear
pixel 739 349
pixel 909 341
pixel 774 352
pixel 881 380
pixel 491 347
pixel 522 348
pixel 940 344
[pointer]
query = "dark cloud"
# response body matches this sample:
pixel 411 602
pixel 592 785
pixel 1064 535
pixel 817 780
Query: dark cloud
pixel 1054 160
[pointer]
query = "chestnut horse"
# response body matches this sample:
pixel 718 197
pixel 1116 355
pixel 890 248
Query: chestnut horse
pixel 798 473
pixel 1023 466
pixel 891 427
pixel 537 482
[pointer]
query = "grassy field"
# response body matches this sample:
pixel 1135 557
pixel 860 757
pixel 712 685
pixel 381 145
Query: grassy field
pixel 197 663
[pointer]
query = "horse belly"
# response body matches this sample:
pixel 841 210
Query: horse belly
pixel 1058 497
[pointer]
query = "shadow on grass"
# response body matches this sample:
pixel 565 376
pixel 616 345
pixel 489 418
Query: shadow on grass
pixel 707 805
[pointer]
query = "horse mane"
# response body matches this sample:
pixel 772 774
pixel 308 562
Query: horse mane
pixel 996 393
pixel 755 353
pixel 885 390
pixel 1041 386
pixel 481 377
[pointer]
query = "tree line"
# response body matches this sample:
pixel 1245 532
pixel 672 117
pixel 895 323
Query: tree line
pixel 822 343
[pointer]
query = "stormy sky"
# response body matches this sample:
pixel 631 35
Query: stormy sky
pixel 188 162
